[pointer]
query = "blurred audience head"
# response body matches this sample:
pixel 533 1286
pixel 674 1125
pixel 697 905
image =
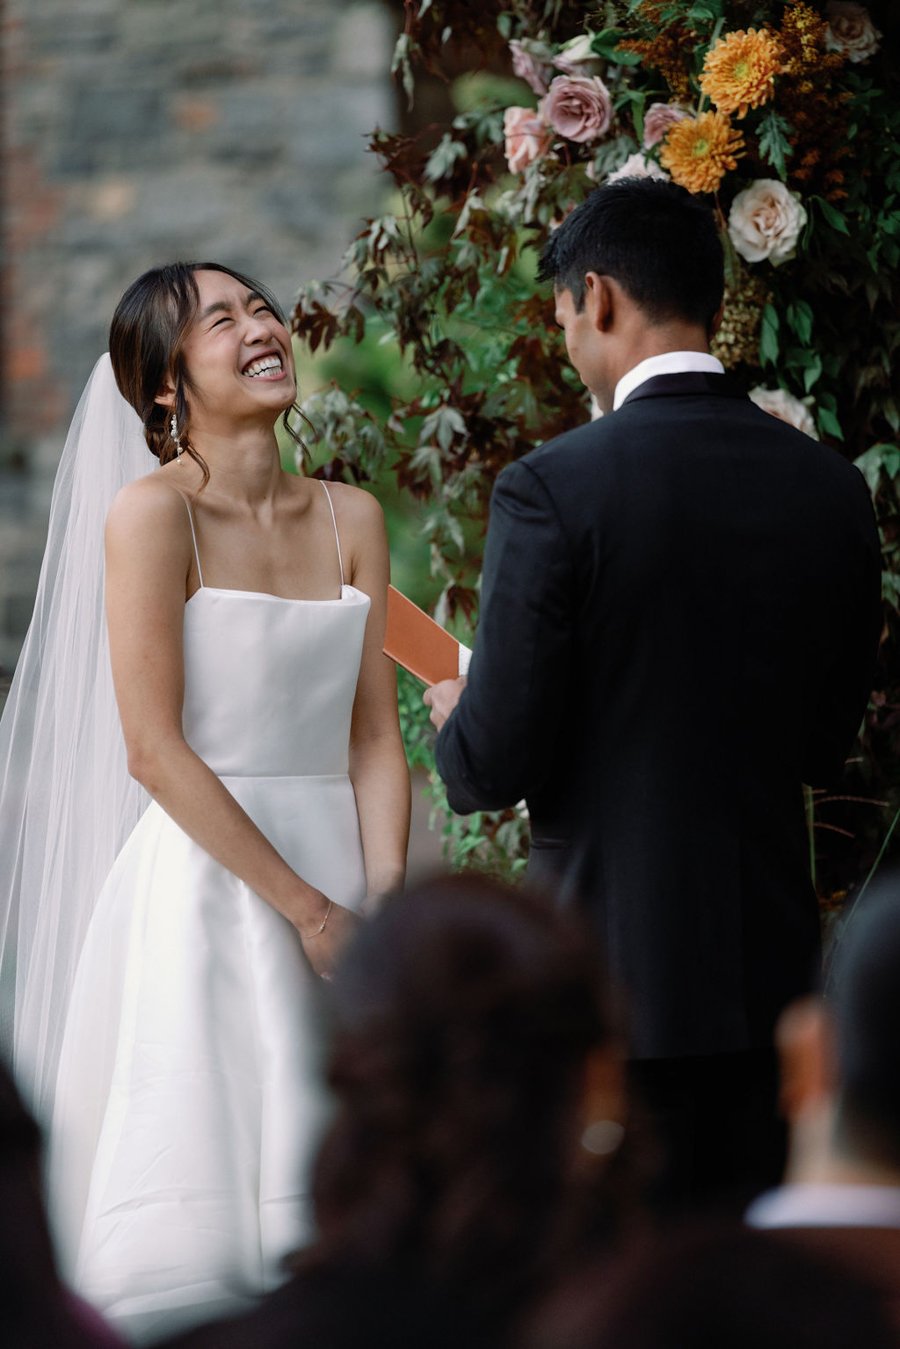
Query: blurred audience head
pixel 36 1311
pixel 866 1003
pixel 841 1055
pixel 711 1288
pixel 478 1090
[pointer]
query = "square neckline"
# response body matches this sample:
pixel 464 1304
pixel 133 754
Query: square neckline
pixel 267 594
pixel 281 599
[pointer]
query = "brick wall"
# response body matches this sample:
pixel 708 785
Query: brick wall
pixel 140 131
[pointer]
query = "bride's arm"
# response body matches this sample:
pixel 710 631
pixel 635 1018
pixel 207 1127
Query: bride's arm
pixel 378 767
pixel 148 552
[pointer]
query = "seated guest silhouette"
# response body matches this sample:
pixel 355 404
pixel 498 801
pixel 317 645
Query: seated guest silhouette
pixel 36 1310
pixel 841 1093
pixel 712 1288
pixel 475 1145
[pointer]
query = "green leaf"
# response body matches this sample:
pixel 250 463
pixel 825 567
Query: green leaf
pixel 828 423
pixel 878 459
pixel 443 425
pixel 812 372
pixel 622 57
pixel 800 318
pixel 442 159
pixel 832 216
pixel 774 146
pixel 606 44
pixel 401 62
pixel 637 117
pixel 768 336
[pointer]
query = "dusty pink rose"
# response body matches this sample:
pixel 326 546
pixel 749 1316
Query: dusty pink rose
pixel 577 107
pixel 657 120
pixel 526 65
pixel 526 138
pixel 786 408
pixel 850 31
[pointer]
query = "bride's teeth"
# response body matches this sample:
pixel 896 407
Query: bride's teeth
pixel 261 367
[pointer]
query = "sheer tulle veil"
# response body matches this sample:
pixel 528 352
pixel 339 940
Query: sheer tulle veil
pixel 67 803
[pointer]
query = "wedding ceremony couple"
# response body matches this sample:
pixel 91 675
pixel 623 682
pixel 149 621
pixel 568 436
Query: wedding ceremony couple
pixel 204 788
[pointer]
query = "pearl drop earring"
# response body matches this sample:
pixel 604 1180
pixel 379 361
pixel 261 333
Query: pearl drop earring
pixel 173 432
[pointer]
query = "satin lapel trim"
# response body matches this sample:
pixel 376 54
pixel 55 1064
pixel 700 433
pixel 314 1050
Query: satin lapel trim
pixel 688 382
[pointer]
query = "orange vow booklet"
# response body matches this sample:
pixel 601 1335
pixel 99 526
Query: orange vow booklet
pixel 419 644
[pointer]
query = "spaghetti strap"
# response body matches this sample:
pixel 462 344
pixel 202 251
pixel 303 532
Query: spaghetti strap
pixel 337 537
pixel 187 505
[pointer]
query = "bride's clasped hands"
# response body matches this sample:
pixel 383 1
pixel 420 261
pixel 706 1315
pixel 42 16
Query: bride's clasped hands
pixel 323 943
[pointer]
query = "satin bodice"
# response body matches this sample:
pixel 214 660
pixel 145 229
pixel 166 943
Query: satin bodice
pixel 270 682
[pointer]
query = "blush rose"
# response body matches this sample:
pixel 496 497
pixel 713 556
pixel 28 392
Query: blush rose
pixel 526 138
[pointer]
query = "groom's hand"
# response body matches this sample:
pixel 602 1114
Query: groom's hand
pixel 442 698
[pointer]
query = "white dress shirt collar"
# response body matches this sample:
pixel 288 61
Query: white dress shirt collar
pixel 827 1206
pixel 669 363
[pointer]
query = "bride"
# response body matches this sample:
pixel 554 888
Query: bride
pixel 170 1021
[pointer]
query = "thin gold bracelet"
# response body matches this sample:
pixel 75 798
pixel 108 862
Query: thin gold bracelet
pixel 319 930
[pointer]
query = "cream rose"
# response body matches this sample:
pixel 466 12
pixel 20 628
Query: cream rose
pixel 765 221
pixel 577 107
pixel 577 56
pixel 638 166
pixel 526 138
pixel 786 407
pixel 657 120
pixel 850 31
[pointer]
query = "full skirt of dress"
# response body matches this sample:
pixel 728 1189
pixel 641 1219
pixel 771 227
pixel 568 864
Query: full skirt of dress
pixel 189 1101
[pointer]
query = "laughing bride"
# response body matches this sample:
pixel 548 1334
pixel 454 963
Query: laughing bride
pixel 168 1019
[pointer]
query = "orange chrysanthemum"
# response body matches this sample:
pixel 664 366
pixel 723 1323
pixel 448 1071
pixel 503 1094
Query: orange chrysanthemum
pixel 698 151
pixel 739 71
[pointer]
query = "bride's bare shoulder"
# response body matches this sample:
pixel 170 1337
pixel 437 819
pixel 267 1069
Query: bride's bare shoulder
pixel 150 504
pixel 355 507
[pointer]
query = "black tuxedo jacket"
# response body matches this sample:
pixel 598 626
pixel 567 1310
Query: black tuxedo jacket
pixel 680 613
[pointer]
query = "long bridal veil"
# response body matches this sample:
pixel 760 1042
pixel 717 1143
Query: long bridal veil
pixel 67 803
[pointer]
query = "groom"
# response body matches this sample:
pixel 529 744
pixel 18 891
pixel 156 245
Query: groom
pixel 679 620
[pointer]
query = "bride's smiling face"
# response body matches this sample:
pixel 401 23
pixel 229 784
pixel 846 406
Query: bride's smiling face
pixel 237 354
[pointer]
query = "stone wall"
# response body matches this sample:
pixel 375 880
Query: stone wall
pixel 139 131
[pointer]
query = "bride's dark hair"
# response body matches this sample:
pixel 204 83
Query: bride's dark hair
pixel 465 1013
pixel 146 338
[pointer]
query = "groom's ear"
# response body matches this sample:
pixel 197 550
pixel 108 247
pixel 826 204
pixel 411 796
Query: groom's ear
pixel 716 320
pixel 599 300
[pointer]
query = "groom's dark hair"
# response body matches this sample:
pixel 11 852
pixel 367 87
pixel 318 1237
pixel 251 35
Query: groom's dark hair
pixel 659 242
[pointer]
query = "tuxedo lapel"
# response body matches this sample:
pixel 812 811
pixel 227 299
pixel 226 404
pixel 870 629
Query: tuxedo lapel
pixel 687 382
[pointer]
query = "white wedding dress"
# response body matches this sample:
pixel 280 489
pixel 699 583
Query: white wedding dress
pixel 188 1102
